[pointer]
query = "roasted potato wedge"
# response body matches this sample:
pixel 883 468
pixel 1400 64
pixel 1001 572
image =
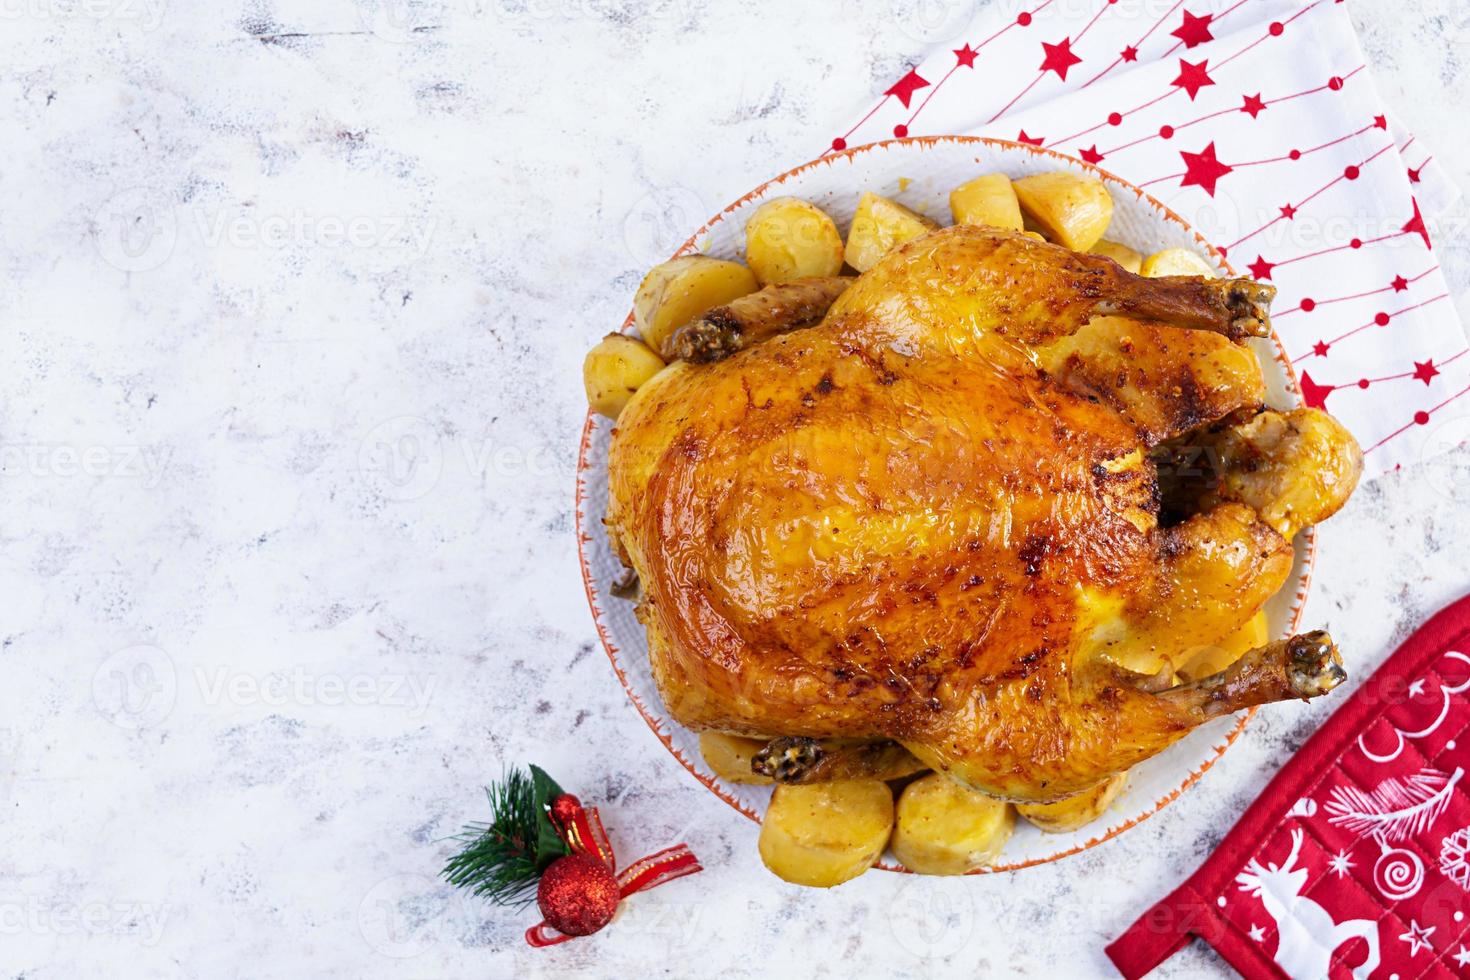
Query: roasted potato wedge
pixel 1070 209
pixel 822 834
pixel 988 200
pixel 1176 262
pixel 729 756
pixel 681 289
pixel 788 238
pixel 1213 659
pixel 879 226
pixel 615 369
pixel 1075 811
pixel 1121 254
pixel 947 829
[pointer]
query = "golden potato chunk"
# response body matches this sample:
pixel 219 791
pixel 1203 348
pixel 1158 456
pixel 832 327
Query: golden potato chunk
pixel 988 200
pixel 1212 659
pixel 729 756
pixel 1070 209
pixel 1121 254
pixel 1176 262
pixel 1075 811
pixel 948 829
pixel 681 289
pixel 822 834
pixel 788 238
pixel 880 226
pixel 615 369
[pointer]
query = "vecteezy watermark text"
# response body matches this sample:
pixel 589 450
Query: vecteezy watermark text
pixel 301 687
pixel 138 687
pixel 404 457
pixel 144 920
pixel 147 14
pixel 145 463
pixel 136 230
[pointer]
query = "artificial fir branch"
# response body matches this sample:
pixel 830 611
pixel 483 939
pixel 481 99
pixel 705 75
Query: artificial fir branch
pixel 502 860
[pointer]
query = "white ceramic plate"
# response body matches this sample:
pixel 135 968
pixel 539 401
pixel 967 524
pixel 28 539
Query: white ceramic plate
pixel 920 173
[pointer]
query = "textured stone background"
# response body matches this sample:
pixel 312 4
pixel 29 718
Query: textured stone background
pixel 293 301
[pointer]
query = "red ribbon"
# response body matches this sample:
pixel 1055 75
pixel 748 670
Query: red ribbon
pixel 581 828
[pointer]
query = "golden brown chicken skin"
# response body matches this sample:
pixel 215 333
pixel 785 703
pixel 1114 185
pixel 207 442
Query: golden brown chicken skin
pixel 933 518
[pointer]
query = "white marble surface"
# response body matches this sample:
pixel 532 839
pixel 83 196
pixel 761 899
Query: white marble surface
pixel 286 561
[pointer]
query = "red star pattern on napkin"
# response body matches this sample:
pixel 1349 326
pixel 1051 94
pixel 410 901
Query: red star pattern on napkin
pixel 1203 169
pixel 906 86
pixel 1195 30
pixel 1313 394
pixel 1314 154
pixel 1059 57
pixel 1193 77
pixel 1416 224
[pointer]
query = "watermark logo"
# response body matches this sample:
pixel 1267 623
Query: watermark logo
pixel 1065 11
pixel 1445 458
pixel 932 21
pixel 135 231
pixel 618 12
pixel 396 21
pixel 402 457
pixel 398 917
pixel 1283 229
pixel 486 457
pixel 667 924
pixel 933 918
pixel 1460 20
pixel 660 221
pixel 135 688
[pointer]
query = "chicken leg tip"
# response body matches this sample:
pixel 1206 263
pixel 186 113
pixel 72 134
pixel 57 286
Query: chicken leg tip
pixel 1249 303
pixel 1314 666
pixel 787 759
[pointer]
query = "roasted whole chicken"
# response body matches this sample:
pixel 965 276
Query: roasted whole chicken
pixel 973 518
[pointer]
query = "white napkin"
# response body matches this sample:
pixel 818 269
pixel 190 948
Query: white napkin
pixel 1257 121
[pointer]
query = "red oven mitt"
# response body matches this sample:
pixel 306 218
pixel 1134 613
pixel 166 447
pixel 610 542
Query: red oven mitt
pixel 1355 861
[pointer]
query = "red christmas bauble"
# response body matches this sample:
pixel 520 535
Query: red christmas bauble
pixel 563 808
pixel 577 895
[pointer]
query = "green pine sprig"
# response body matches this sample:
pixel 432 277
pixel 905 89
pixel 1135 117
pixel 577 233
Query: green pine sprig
pixel 502 859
